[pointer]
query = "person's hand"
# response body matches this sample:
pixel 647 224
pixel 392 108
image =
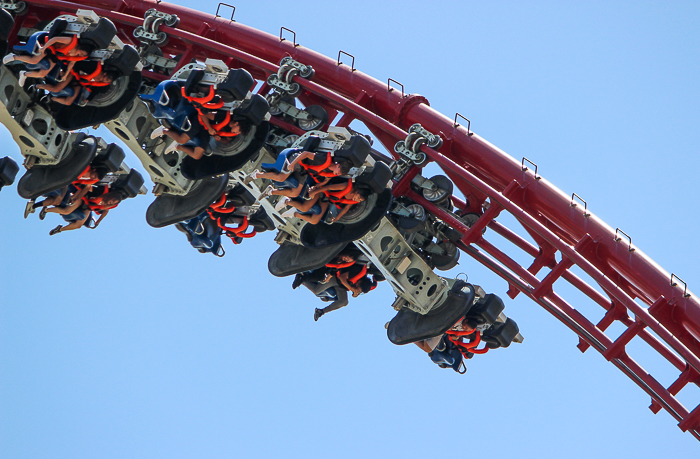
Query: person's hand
pixel 327 279
pixel 211 131
pixel 356 292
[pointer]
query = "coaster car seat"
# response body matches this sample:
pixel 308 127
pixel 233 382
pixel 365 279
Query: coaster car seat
pixel 376 178
pixel 501 334
pixel 253 110
pixel 354 150
pixel 371 212
pixel 8 171
pixel 109 159
pixel 129 185
pixel 100 35
pixel 409 326
pixel 7 22
pixel 105 104
pixel 167 209
pixel 226 158
pixel 42 179
pixel 293 259
pixel 236 86
pixel 203 234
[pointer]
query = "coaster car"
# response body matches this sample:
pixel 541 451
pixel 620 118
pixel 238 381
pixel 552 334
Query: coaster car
pixel 8 171
pixel 168 209
pixel 203 234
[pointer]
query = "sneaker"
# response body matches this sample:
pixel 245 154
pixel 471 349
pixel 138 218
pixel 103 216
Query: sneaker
pixel 158 132
pixel 55 230
pixel 171 148
pixel 281 204
pixel 29 209
pixel 285 167
pixel 266 193
pixel 42 214
pixel 298 279
pixel 250 177
pixel 289 213
pixel 318 313
pixel 22 78
pixel 9 58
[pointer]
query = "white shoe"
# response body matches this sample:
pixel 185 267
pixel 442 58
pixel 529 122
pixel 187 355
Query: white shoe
pixel 289 213
pixel 250 177
pixel 266 193
pixel 29 209
pixel 9 58
pixel 171 148
pixel 282 203
pixel 285 168
pixel 158 132
pixel 22 78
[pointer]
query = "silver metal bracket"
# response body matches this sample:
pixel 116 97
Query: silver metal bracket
pixel 416 138
pixel 288 109
pixel 150 32
pixel 282 82
pixel 14 7
pixel 283 86
pixel 305 71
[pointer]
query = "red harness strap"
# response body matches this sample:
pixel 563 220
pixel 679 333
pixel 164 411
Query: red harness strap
pixel 82 181
pixel 96 203
pixel 61 51
pixel 340 265
pixel 219 127
pixel 317 169
pixel 86 80
pixel 338 197
pixel 218 206
pixel 456 337
pixel 233 233
pixel 205 101
pixel 353 280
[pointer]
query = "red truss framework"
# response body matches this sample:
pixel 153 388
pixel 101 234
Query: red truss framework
pixel 560 226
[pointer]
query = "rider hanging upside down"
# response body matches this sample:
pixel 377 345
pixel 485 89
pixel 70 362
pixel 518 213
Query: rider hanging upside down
pixel 61 51
pixel 294 170
pixel 78 85
pixel 196 144
pixel 327 209
pixel 335 280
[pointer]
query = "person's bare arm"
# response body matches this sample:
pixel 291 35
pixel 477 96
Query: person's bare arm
pixel 207 125
pixel 80 194
pixel 58 86
pixel 55 41
pixel 321 188
pixel 342 212
pixel 343 278
pixel 300 157
pixel 102 216
pixel 65 74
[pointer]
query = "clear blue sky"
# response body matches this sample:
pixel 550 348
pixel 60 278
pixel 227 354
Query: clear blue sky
pixel 125 342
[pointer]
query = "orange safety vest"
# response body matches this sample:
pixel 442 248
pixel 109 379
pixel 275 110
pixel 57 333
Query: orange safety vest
pixel 61 51
pixel 86 80
pixel 338 197
pixel 82 181
pixel 95 203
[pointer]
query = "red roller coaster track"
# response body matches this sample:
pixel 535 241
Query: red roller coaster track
pixel 669 319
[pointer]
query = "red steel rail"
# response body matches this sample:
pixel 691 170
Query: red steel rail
pixel 480 171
